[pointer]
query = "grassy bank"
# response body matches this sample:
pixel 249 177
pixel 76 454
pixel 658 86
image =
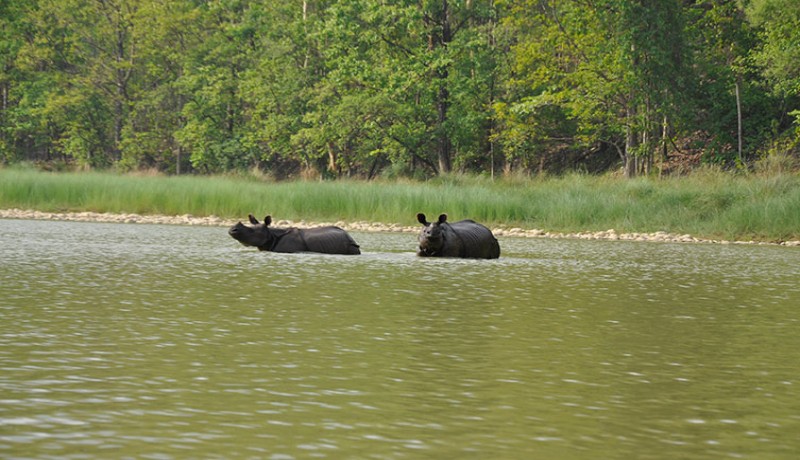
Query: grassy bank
pixel 709 204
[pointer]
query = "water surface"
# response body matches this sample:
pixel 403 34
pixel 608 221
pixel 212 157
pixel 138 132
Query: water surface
pixel 170 342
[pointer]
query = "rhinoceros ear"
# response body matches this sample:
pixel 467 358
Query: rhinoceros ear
pixel 422 220
pixel 253 220
pixel 442 218
pixel 267 221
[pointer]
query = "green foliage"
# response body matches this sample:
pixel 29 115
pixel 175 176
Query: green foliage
pixel 779 54
pixel 779 57
pixel 346 88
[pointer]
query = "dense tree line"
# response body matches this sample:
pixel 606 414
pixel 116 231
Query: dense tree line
pixel 366 87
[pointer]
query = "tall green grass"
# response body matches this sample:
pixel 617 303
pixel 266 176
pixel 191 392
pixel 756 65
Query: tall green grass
pixel 708 204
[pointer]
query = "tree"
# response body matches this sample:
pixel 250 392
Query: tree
pixel 80 59
pixel 277 83
pixel 779 55
pixel 211 81
pixel 727 93
pixel 614 66
pixel 165 33
pixel 347 87
pixel 12 33
pixel 389 78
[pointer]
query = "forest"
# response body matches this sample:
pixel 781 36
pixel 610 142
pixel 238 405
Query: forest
pixel 400 88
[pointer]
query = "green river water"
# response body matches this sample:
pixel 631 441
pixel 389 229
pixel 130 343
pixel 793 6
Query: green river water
pixel 170 342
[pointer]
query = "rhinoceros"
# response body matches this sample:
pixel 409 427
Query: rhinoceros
pixel 465 238
pixel 327 240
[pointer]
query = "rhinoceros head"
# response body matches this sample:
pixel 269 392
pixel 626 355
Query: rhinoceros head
pixel 256 235
pixel 431 238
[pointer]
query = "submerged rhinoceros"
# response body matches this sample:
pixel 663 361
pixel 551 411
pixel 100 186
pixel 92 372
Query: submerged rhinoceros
pixel 465 238
pixel 327 240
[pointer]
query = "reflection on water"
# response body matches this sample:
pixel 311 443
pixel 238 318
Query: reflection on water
pixel 176 342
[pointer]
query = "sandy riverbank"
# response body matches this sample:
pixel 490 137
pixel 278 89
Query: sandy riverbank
pixel 358 227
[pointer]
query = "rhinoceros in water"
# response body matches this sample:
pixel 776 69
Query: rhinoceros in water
pixel 327 240
pixel 465 238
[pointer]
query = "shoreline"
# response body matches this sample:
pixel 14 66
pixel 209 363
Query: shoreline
pixel 373 227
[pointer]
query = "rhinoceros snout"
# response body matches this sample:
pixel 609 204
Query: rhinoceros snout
pixel 236 230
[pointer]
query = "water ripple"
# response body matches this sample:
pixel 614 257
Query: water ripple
pixel 133 343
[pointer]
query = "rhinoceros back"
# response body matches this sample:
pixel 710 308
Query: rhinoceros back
pixel 476 240
pixel 329 240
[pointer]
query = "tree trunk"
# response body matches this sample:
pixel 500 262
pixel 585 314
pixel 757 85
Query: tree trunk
pixel 440 36
pixel 445 144
pixel 4 112
pixel 307 57
pixel 122 76
pixel 663 145
pixel 739 119
pixel 630 145
pixel 332 158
